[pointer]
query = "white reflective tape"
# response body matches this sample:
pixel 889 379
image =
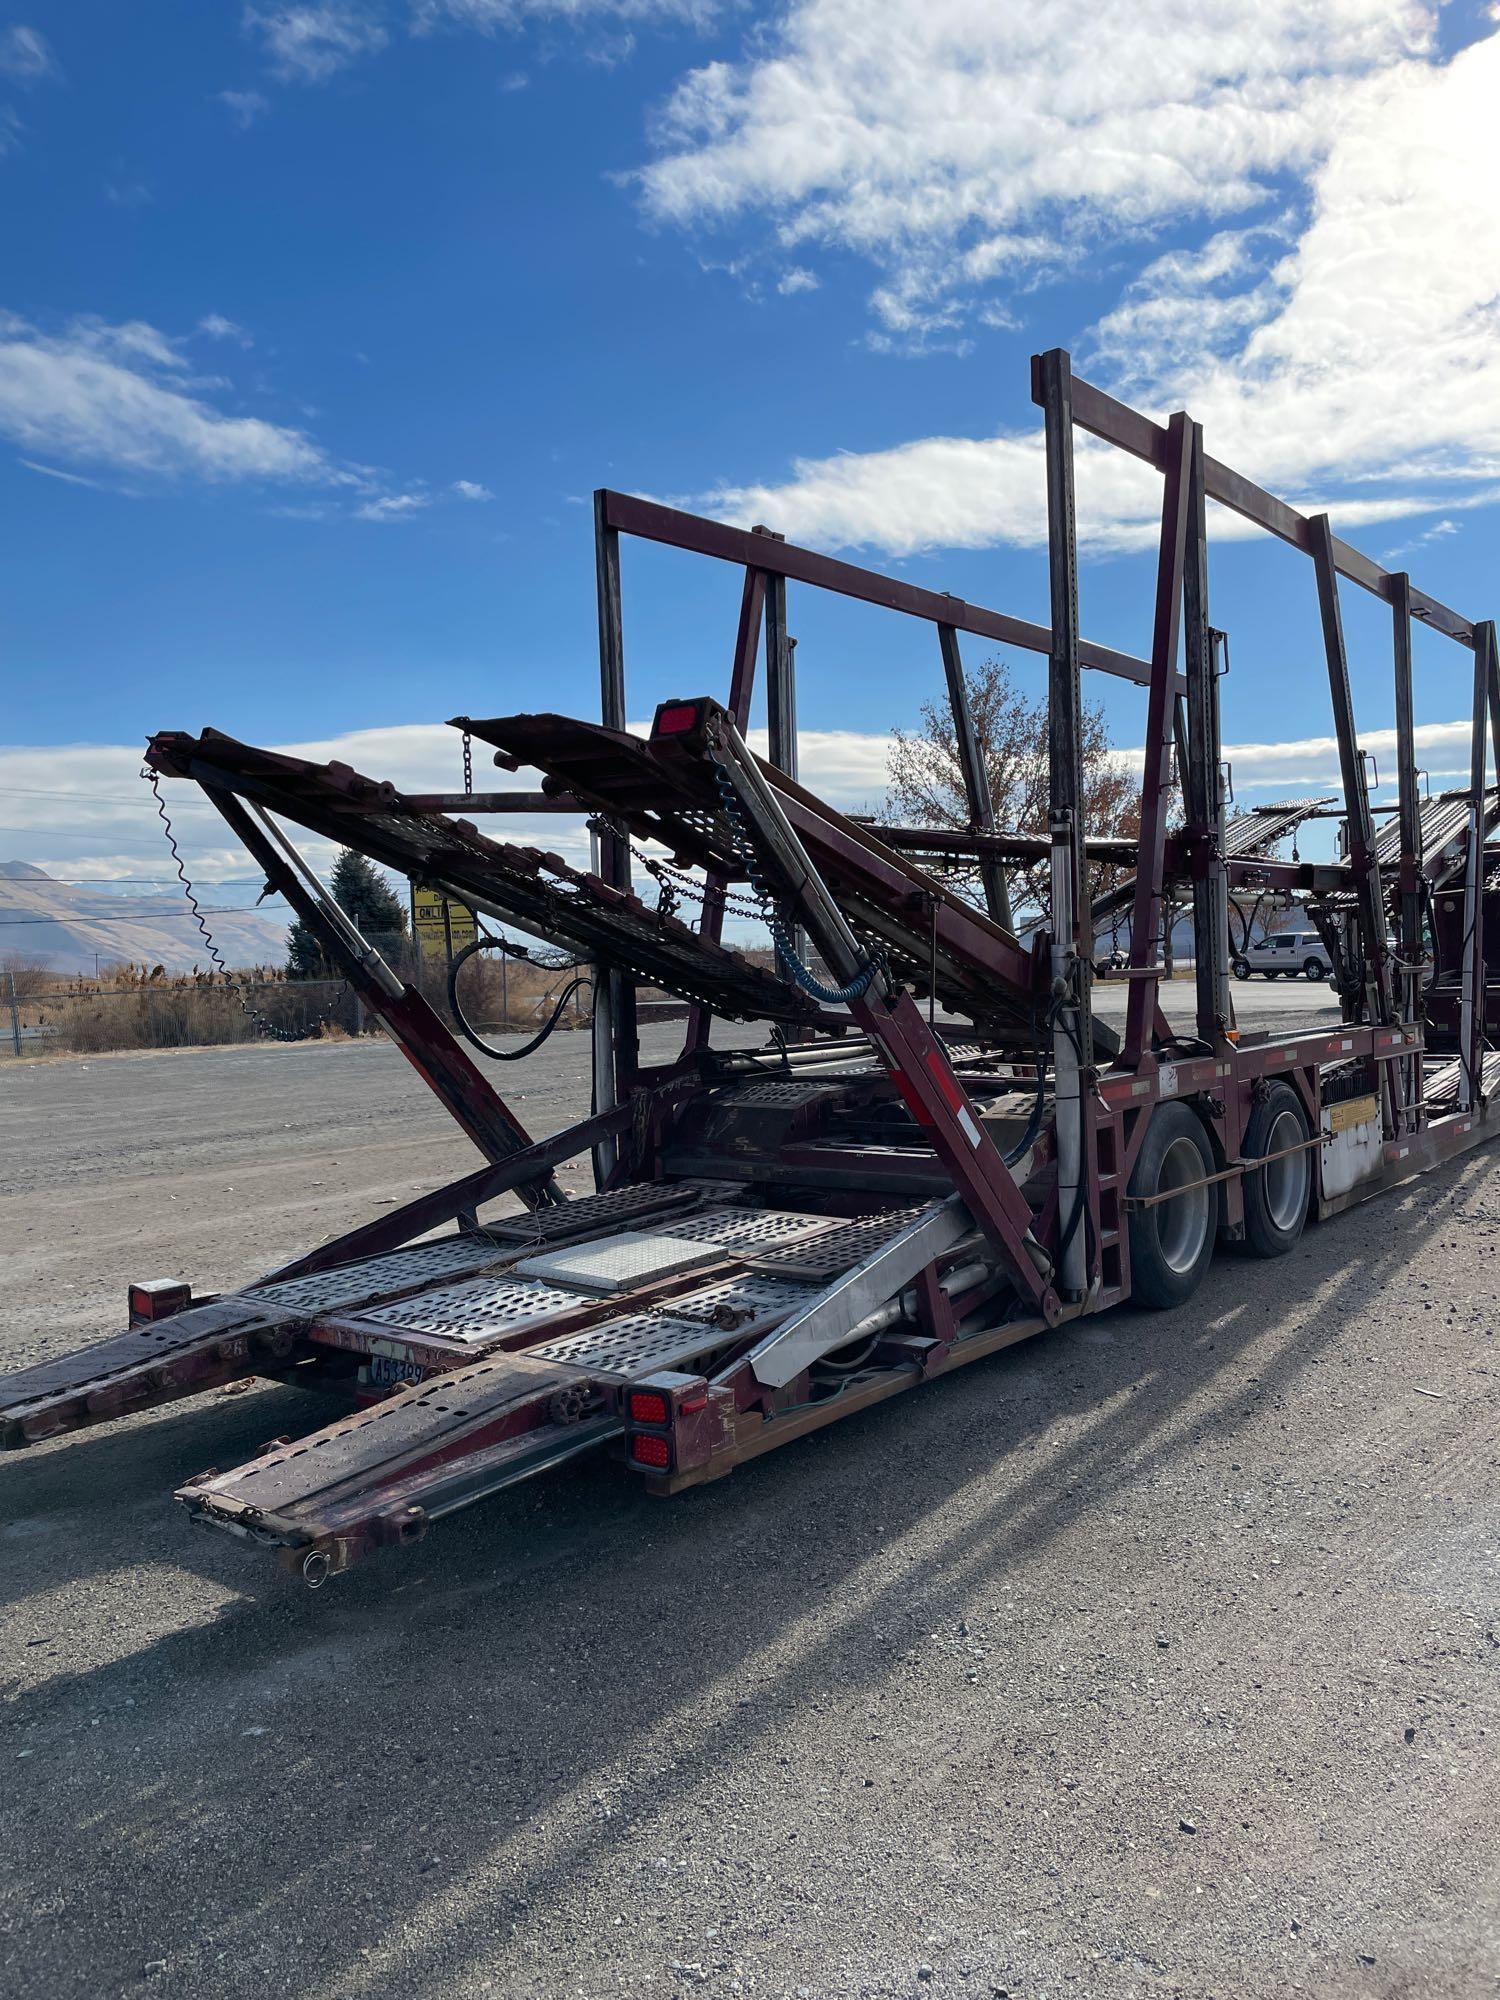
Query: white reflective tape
pixel 967 1126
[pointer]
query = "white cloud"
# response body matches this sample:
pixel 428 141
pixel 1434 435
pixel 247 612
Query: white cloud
pixel 122 398
pixel 25 56
pixel 244 106
pixel 53 472
pixel 107 396
pixel 1357 369
pixel 391 507
pixel 310 43
pixel 964 139
pixel 11 129
pixel 84 811
pixel 797 279
pixel 470 489
pixel 1438 532
pixel 216 327
pixel 127 190
pixel 495 16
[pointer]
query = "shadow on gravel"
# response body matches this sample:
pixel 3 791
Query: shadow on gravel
pixel 425 1713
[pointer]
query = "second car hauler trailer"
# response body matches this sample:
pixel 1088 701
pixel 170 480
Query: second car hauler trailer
pixel 939 1150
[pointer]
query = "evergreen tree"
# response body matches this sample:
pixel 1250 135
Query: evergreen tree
pixel 367 899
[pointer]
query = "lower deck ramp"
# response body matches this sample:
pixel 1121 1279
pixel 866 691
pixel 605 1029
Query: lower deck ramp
pixel 248 1333
pixel 348 1480
pixel 194 1350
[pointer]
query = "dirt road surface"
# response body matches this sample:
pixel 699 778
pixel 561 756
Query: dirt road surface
pixel 1157 1657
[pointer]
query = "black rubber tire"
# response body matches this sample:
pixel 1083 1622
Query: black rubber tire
pixel 1171 1246
pixel 1240 967
pixel 1276 1198
pixel 1312 968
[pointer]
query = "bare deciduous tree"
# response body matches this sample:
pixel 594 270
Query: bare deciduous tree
pixel 927 787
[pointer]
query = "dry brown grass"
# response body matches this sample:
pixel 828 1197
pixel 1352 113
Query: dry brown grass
pixel 134 1007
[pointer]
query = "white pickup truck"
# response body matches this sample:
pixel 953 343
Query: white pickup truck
pixel 1292 953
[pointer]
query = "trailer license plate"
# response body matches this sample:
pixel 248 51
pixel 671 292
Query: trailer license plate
pixel 386 1372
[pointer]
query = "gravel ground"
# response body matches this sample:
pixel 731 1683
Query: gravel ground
pixel 1158 1656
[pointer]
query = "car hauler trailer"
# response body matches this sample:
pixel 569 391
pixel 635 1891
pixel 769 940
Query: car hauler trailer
pixel 940 1150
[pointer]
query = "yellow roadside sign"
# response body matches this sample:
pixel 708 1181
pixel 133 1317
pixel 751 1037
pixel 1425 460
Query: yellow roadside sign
pixel 439 926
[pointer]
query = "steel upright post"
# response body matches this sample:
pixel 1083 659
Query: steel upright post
pixel 1410 822
pixel 741 687
pixel 614 1034
pixel 1072 952
pixel 1156 780
pixel 975 777
pixel 1203 770
pixel 781 683
pixel 1472 1004
pixel 1362 863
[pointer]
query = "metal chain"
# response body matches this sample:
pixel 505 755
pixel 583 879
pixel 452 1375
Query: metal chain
pixel 252 1013
pixel 786 951
pixel 468 766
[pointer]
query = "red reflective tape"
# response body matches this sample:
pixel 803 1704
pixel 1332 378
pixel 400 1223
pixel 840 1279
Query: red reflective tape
pixel 953 1097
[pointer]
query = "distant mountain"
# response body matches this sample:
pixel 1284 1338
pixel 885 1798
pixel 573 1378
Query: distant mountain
pixel 69 928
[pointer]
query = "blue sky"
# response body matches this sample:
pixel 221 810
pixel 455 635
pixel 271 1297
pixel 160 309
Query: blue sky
pixel 321 322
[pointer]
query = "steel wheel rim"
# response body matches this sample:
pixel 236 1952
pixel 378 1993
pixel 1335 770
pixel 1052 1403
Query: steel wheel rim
pixel 1182 1222
pixel 1286 1180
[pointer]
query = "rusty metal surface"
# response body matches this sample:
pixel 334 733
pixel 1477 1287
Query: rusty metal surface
pixel 540 891
pixel 149 1365
pixel 296 1484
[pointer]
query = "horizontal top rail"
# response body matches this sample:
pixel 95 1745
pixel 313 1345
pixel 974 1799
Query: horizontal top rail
pixel 631 515
pixel 1105 417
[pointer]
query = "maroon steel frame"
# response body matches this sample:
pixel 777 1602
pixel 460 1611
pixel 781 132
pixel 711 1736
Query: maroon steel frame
pixel 1045 1252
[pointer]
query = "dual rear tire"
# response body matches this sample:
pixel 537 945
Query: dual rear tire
pixel 1172 1239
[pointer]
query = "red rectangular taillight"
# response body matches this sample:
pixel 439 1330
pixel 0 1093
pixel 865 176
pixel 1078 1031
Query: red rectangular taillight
pixel 647 1406
pixel 158 1298
pixel 655 1452
pixel 676 718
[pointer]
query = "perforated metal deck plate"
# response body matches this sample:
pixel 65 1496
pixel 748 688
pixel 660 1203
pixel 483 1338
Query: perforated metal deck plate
pixel 635 1345
pixel 741 1301
pixel 740 1229
pixel 594 1212
pixel 619 1263
pixel 790 1091
pixel 819 1258
pixel 377 1277
pixel 480 1309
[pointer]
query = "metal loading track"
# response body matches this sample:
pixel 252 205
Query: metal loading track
pixel 930 937
pixel 194 1350
pixel 380 1475
pixel 538 891
pixel 350 1475
pixel 253 1332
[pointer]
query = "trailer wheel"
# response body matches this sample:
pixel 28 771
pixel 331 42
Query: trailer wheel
pixel 1276 1197
pixel 1172 1242
pixel 1240 967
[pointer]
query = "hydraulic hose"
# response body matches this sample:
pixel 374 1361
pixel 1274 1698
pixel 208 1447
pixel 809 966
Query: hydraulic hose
pixel 456 964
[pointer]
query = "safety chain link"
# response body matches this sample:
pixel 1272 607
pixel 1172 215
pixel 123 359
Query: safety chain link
pixel 252 1013
pixel 781 936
